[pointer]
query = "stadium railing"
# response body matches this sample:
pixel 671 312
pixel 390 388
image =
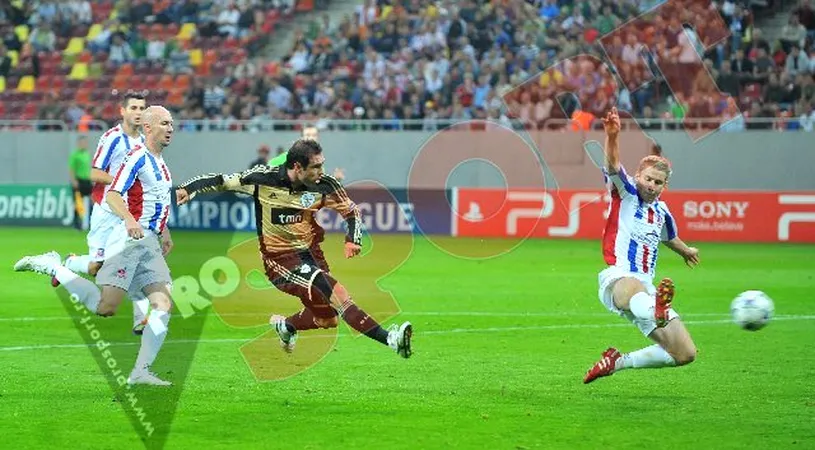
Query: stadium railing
pixel 659 124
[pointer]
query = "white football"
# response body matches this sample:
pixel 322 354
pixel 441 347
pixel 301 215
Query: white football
pixel 752 310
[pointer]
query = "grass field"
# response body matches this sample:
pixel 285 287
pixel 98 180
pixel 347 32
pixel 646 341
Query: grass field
pixel 501 347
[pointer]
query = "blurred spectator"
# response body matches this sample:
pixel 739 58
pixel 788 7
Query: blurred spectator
pixel 5 61
pixel 263 156
pixel 42 38
pixel 120 51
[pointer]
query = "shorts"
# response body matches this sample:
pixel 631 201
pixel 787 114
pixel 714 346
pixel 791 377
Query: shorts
pixel 139 264
pixel 84 187
pixel 606 280
pixel 295 273
pixel 102 225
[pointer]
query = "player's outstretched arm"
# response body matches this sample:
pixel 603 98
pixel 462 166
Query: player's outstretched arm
pixel 611 123
pixel 216 182
pixel 689 254
pixel 338 200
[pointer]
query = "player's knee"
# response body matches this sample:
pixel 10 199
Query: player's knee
pixel 93 268
pixel 326 322
pixel 685 356
pixel 105 310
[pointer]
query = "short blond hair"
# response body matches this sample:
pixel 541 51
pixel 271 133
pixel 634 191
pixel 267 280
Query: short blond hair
pixel 657 162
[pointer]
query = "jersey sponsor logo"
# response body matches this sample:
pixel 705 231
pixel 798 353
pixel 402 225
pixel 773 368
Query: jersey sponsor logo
pixel 286 216
pixel 307 199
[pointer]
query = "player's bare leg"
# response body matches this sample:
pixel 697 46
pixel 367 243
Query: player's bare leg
pixel 676 340
pixel 397 337
pixel 158 294
pixel 85 264
pixel 332 296
pixel 103 303
pixel 674 346
pixel 287 327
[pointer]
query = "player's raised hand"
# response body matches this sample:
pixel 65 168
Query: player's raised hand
pixel 134 229
pixel 181 196
pixel 611 122
pixel 352 250
pixel 691 256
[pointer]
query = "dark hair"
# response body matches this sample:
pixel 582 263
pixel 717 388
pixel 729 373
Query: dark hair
pixel 131 95
pixel 301 152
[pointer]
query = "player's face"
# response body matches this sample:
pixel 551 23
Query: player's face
pixel 650 182
pixel 161 128
pixel 131 112
pixel 311 133
pixel 312 173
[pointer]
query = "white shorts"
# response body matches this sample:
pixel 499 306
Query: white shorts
pixel 137 265
pixel 606 280
pixel 102 224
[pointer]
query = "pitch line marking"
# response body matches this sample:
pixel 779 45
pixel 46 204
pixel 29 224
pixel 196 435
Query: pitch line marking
pixel 431 332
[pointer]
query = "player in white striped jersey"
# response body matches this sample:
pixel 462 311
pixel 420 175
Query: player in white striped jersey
pixel 110 153
pixel 136 206
pixel 638 222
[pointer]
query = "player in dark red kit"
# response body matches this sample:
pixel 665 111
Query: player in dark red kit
pixel 287 198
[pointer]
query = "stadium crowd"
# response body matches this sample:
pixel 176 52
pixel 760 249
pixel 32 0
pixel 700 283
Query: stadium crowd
pixel 433 60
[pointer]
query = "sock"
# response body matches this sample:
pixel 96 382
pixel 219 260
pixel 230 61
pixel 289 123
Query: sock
pixel 152 339
pixel 648 357
pixel 140 307
pixel 302 321
pixel 642 305
pixel 78 264
pixel 84 290
pixel 363 323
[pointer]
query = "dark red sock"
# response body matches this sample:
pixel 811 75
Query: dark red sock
pixel 304 320
pixel 364 323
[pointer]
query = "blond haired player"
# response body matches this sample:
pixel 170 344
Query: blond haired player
pixel 638 222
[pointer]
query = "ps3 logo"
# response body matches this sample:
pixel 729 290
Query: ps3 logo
pixel 546 209
pixel 789 218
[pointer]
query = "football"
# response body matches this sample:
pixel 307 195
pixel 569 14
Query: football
pixel 752 310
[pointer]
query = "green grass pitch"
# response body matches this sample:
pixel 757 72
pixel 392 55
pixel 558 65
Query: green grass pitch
pixel 501 347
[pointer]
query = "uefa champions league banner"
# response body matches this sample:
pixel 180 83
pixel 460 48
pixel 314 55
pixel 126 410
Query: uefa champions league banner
pixel 714 216
pixel 37 205
pixel 383 211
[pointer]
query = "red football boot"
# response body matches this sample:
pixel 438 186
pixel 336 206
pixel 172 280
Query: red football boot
pixel 664 297
pixel 604 367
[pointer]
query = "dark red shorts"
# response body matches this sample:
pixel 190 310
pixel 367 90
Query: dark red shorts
pixel 296 273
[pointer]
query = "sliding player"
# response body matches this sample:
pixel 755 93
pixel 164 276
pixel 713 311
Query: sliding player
pixel 637 223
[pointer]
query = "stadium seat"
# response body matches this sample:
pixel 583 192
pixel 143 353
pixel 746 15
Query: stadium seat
pixel 2 85
pixel 43 82
pixel 75 46
pixel 22 32
pixel 187 31
pixel 182 81
pixel 94 31
pixel 15 57
pixel 166 82
pixel 79 71
pixel 125 70
pixel 196 57
pixel 26 84
pixel 83 96
pixel 175 98
pixel 29 111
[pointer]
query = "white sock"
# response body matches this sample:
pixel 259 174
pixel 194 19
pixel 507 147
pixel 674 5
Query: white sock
pixel 643 305
pixel 78 264
pixel 648 357
pixel 87 292
pixel 152 339
pixel 140 307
